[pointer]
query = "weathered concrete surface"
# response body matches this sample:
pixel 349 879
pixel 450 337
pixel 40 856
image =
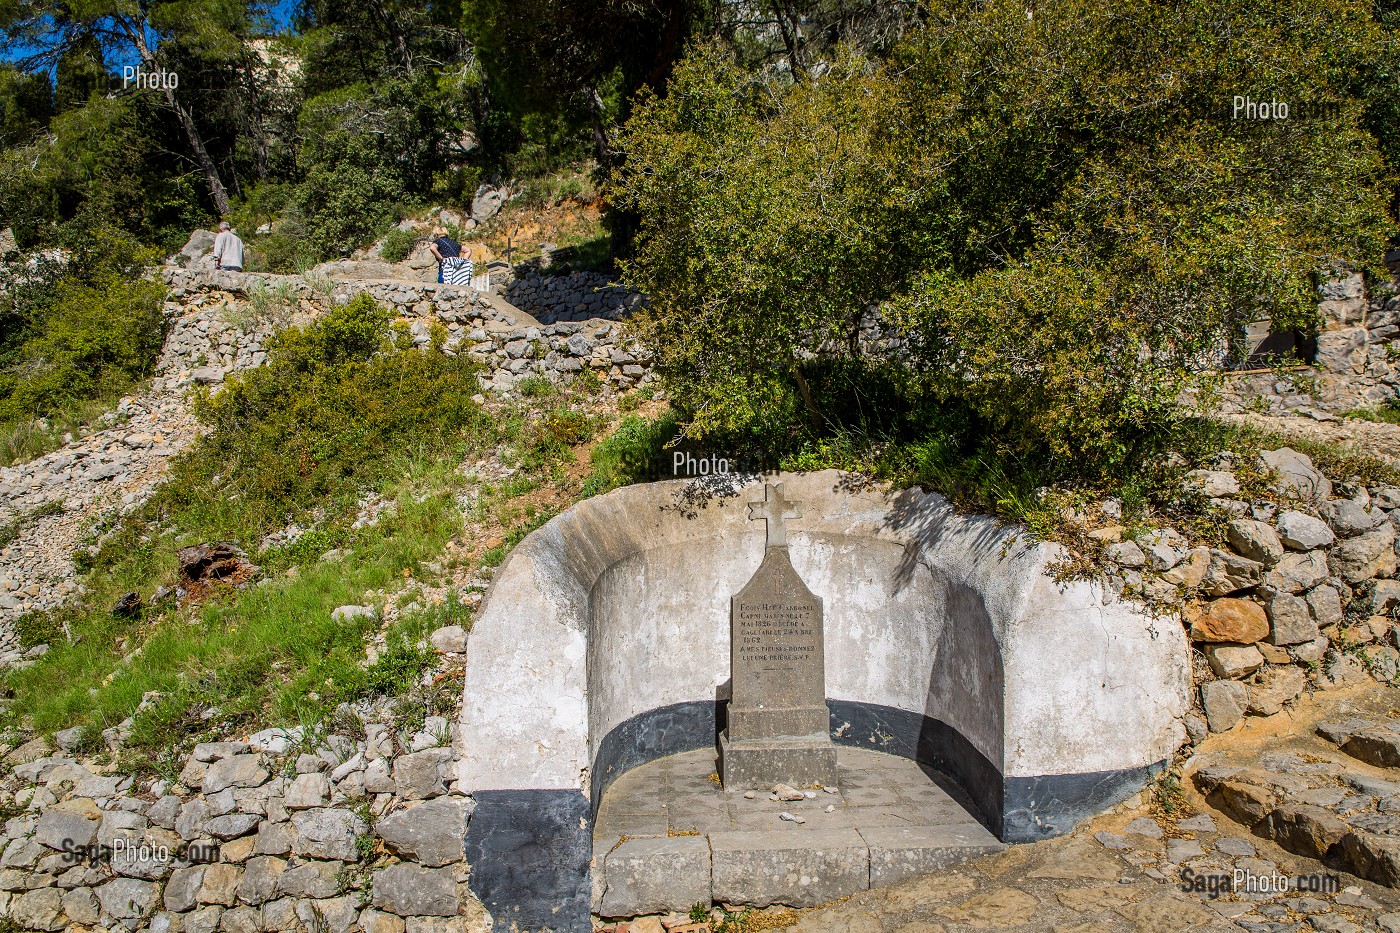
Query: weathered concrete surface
pixel 650 876
pixel 800 869
pixel 620 605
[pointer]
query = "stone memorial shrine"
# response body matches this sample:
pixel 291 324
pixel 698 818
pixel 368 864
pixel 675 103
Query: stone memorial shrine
pixel 778 730
pixel 668 701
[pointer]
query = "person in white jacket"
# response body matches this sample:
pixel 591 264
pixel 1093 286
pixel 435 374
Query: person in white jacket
pixel 228 249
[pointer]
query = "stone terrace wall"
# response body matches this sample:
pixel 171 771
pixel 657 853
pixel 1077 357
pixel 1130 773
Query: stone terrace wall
pixel 1357 364
pixel 511 344
pixel 577 296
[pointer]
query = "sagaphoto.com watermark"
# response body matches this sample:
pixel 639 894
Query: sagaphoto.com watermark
pixel 1246 108
pixel 1245 881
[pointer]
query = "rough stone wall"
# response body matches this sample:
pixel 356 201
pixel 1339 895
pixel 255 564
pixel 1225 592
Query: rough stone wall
pixel 271 833
pixel 511 344
pixel 1301 594
pixel 577 296
pixel 1357 363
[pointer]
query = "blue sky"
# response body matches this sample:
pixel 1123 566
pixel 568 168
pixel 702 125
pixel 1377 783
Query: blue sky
pixel 281 12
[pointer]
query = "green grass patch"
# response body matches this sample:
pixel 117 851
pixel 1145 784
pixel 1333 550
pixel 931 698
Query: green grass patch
pixel 270 653
pixel 340 410
pixel 1389 413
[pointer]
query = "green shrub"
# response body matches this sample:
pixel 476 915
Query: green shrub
pixel 334 406
pixel 634 453
pixel 91 337
pixel 397 245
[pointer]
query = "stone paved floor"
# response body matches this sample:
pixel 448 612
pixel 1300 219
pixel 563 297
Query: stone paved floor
pixel 678 795
pixel 668 836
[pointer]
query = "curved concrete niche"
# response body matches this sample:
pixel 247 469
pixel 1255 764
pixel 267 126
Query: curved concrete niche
pixel 604 644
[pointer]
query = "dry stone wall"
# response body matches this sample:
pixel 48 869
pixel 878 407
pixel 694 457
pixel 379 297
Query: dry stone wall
pixel 511 344
pixel 1357 362
pixel 275 832
pixel 577 296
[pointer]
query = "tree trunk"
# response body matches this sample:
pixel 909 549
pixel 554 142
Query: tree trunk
pixel 201 155
pixel 600 135
pixel 137 33
pixel 808 400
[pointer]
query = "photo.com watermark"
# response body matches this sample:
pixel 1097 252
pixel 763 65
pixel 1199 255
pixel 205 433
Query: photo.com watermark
pixel 1244 881
pixel 136 77
pixel 127 850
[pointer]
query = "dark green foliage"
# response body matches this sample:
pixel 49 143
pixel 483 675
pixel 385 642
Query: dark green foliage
pixel 1057 210
pixel 397 245
pixel 396 669
pixel 89 334
pixel 636 452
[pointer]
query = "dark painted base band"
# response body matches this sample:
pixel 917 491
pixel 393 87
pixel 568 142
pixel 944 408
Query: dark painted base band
pixel 529 850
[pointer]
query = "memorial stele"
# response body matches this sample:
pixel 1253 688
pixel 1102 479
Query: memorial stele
pixel 778 726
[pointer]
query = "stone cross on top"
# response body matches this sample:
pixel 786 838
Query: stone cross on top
pixel 773 509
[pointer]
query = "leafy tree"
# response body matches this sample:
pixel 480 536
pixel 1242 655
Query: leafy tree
pixel 54 31
pixel 26 103
pixel 1055 205
pixel 88 334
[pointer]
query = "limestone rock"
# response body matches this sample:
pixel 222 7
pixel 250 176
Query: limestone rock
pixel 311 879
pixel 260 879
pixel 1385 597
pixel 1164 549
pixel 63 830
pixel 81 906
pixel 1365 556
pixel 234 771
pixel 377 921
pixel 451 639
pixel 1349 518
pixel 1379 747
pixel 1224 702
pixel 1234 661
pixel 419 776
pixel 1212 483
pixel 127 898
pixel 232 825
pixel 220 885
pixel 333 915
pixel 1191 571
pixel 327 833
pixel 1290 621
pixel 1275 688
pixel 1255 540
pixel 1245 803
pixel 1304 830
pixel 39 910
pixel 1230 620
pixel 307 791
pixel 430 833
pixel 1324 605
pixel 1229 573
pixel 1374 857
pixel 182 890
pixel 1298 572
pixel 410 891
pixel 347 613
pixel 1296 475
pixel 1126 554
pixel 1301 532
pixel 1343 669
